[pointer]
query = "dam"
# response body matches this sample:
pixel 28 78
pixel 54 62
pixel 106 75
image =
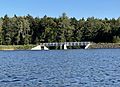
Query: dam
pixel 62 45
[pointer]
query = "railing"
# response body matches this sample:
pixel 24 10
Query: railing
pixel 63 45
pixel 66 43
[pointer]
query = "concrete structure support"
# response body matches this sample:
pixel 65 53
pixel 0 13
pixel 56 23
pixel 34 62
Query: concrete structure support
pixel 87 46
pixel 40 47
pixel 61 47
pixel 65 47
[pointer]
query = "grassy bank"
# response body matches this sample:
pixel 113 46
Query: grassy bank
pixel 16 47
pixel 104 45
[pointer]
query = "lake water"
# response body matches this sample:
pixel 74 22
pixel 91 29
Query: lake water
pixel 60 68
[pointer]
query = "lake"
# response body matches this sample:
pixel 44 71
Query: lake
pixel 60 68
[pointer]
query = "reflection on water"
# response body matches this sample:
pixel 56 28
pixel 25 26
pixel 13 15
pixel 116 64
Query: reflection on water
pixel 60 68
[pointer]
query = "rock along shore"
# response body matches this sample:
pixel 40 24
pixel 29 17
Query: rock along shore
pixel 104 45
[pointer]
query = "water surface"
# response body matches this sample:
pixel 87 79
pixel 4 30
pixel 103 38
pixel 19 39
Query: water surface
pixel 60 68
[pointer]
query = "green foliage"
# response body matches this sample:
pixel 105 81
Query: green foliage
pixel 116 39
pixel 29 30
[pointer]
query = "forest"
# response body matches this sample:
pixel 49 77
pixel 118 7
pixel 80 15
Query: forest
pixel 25 30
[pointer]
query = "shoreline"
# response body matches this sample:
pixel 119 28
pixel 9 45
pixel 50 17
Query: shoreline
pixel 104 45
pixel 92 46
pixel 16 47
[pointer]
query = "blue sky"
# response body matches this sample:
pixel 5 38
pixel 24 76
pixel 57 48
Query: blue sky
pixel 54 8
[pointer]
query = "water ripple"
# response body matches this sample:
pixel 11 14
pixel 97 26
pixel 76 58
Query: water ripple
pixel 59 68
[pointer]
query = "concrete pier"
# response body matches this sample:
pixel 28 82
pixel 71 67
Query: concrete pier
pixel 40 47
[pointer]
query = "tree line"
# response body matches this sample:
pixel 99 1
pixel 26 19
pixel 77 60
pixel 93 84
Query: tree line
pixel 25 30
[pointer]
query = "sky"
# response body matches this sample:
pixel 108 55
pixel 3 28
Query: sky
pixel 55 8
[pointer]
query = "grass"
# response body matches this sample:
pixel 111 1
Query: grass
pixel 16 47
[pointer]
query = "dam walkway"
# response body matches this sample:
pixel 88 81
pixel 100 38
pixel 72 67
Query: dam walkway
pixel 62 45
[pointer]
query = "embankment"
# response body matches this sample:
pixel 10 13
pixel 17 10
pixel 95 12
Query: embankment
pixel 16 47
pixel 104 45
pixel 28 47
